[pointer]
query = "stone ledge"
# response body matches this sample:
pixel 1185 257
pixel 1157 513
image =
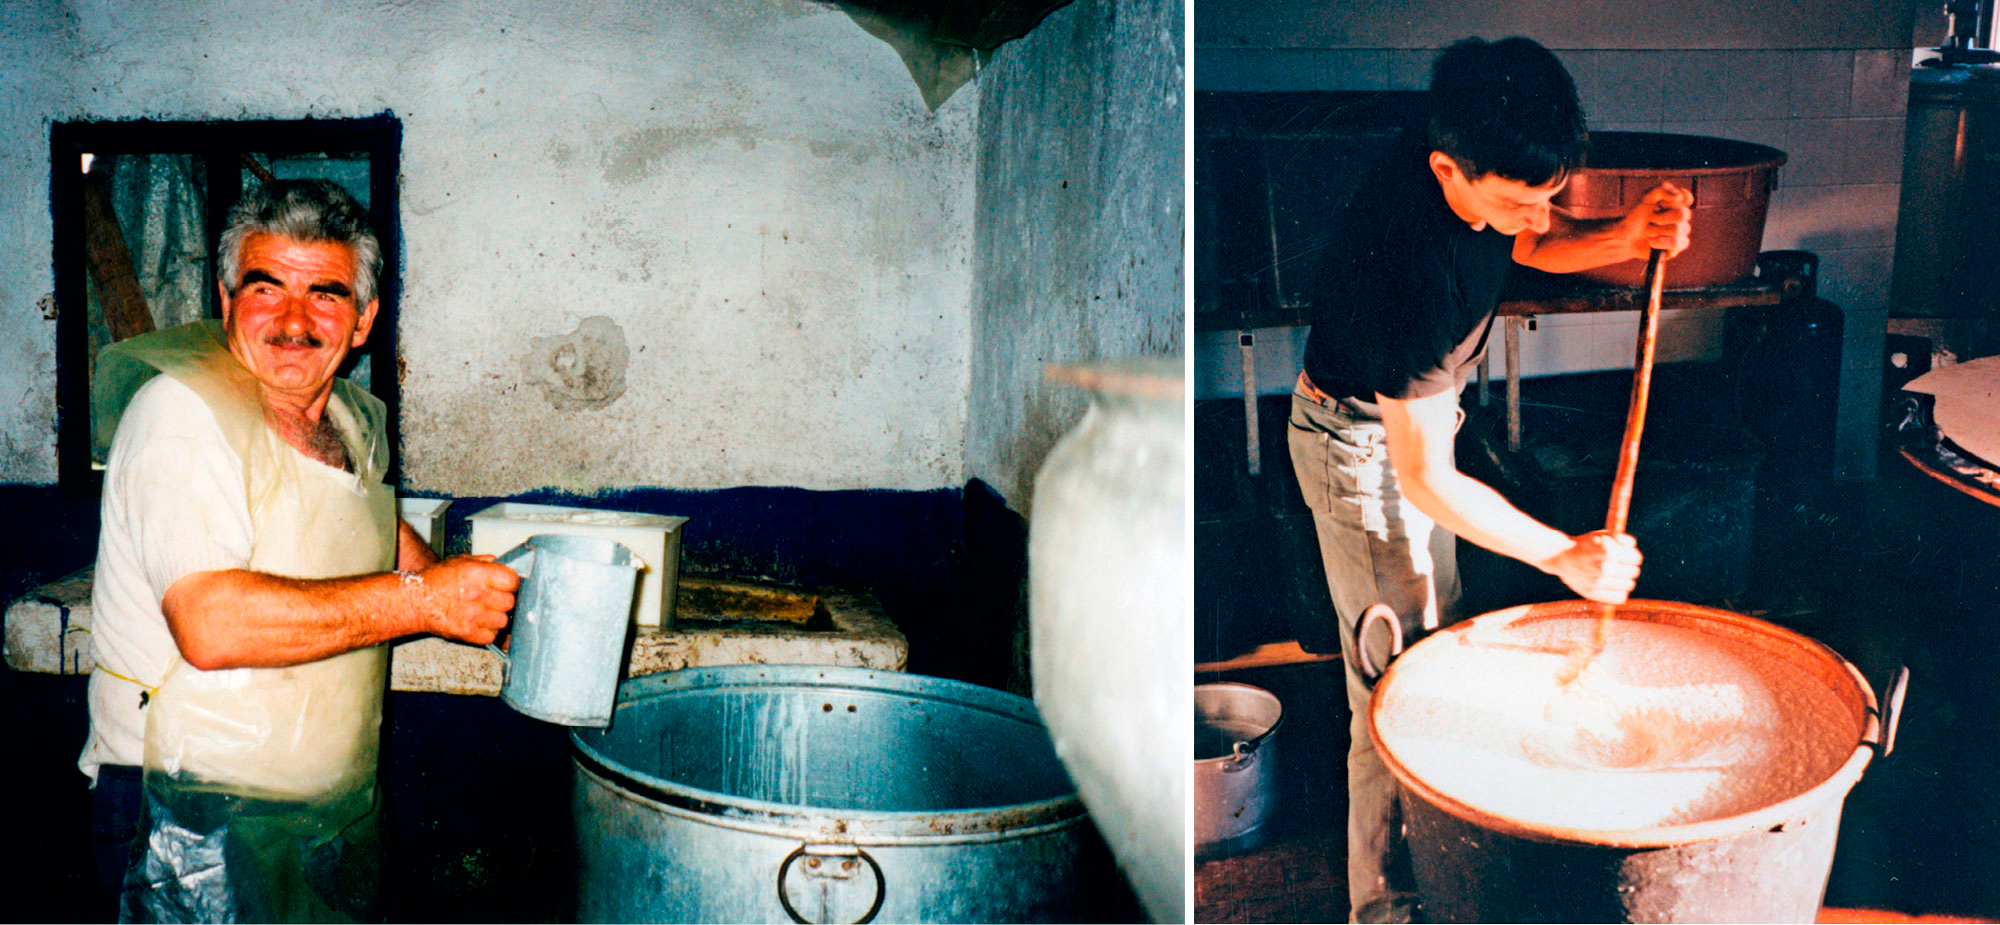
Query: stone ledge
pixel 48 632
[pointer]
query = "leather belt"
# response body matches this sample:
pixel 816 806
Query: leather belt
pixel 1311 391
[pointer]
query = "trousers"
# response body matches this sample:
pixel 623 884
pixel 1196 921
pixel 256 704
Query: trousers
pixel 1376 547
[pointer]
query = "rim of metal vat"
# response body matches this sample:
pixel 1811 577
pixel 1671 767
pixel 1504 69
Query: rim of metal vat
pixel 1824 664
pixel 875 827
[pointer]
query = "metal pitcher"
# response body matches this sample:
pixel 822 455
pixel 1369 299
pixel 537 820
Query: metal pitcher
pixel 568 630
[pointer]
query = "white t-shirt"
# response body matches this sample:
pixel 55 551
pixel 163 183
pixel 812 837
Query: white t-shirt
pixel 173 505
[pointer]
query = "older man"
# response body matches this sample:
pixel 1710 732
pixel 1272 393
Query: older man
pixel 243 588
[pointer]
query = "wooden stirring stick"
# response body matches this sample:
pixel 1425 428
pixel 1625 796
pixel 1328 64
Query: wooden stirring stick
pixel 1628 456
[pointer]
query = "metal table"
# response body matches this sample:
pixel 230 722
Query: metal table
pixel 1530 294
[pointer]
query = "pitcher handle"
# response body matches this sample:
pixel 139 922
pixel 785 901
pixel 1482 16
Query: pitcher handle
pixel 524 551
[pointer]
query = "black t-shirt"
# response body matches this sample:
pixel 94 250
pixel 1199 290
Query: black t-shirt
pixel 1405 296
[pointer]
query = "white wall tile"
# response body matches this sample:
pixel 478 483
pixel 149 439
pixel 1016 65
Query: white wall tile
pixel 1689 335
pixel 1822 80
pixel 1274 69
pixel 1615 340
pixel 1774 132
pixel 1218 361
pixel 1881 82
pixel 1824 218
pixel 1711 86
pixel 1856 279
pixel 1623 86
pixel 1549 350
pixel 1626 127
pixel 1818 153
pixel 1233 69
pixel 1874 151
pixel 1409 69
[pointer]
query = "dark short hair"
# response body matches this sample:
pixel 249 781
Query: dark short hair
pixel 303 210
pixel 1506 108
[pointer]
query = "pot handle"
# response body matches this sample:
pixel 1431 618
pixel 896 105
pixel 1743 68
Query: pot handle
pixel 1241 754
pixel 832 867
pixel 1891 711
pixel 1358 653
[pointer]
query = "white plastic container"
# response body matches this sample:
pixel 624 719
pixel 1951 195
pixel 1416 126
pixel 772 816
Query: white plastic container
pixel 426 516
pixel 654 538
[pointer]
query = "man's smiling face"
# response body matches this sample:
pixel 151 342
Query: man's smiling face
pixel 292 317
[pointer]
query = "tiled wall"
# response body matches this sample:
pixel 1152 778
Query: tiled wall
pixel 1837 114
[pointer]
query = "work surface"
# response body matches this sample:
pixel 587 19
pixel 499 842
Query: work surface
pixel 48 632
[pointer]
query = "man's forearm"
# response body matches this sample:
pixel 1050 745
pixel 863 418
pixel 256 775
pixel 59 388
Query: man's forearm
pixel 1571 245
pixel 1474 511
pixel 243 619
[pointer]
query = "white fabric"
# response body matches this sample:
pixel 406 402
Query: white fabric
pixel 173 505
pixel 1968 404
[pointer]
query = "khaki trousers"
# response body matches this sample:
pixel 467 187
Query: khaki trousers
pixel 1377 547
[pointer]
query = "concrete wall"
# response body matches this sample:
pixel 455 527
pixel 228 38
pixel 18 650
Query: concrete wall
pixel 746 208
pixel 1828 85
pixel 37 61
pixel 1080 221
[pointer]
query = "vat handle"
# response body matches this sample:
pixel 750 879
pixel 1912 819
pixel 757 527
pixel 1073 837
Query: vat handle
pixel 1892 711
pixel 829 863
pixel 1363 665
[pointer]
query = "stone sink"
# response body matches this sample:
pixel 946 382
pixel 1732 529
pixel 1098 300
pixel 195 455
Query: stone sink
pixel 717 622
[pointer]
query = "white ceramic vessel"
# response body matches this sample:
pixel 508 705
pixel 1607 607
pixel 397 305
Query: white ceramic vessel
pixel 1110 610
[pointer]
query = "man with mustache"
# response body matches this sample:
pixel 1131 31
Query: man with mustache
pixel 244 589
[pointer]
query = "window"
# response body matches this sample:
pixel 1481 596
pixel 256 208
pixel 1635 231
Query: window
pixel 137 209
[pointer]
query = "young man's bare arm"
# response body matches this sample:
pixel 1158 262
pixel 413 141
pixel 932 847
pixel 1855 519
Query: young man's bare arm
pixel 1599 566
pixel 1660 220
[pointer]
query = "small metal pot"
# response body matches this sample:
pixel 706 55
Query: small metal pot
pixel 1235 767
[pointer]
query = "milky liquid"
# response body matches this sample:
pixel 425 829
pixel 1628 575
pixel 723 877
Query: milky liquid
pixel 1667 726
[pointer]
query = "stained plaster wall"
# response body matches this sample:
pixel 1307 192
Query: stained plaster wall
pixel 1827 83
pixel 37 44
pixel 1080 221
pixel 676 244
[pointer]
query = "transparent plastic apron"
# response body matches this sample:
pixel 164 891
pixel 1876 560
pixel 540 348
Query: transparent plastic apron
pixel 260 792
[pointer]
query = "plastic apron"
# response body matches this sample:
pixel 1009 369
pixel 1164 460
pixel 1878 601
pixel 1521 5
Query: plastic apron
pixel 260 792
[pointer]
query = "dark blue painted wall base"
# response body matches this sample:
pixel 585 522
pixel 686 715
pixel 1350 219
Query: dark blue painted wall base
pixel 478 795
pixel 946 564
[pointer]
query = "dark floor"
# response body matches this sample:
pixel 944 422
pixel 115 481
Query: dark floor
pixel 1898 570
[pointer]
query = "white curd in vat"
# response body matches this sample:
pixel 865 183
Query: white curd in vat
pixel 1667 726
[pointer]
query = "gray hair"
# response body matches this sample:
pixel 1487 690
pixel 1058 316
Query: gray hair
pixel 303 210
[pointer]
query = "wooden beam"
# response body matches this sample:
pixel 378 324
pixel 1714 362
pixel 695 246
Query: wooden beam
pixel 110 263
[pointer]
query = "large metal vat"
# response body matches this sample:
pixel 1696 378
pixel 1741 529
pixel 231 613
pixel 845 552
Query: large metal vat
pixel 1110 610
pixel 1763 864
pixel 774 793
